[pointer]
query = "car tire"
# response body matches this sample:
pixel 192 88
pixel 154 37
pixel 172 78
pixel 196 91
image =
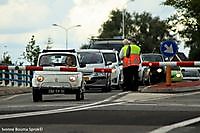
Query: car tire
pixel 146 82
pixel 37 95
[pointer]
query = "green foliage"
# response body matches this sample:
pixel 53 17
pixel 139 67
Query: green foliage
pixel 32 52
pixel 188 16
pixel 148 31
pixel 113 26
pixel 6 59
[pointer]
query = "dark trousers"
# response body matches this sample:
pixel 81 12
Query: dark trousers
pixel 130 78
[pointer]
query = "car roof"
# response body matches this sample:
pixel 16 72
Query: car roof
pixel 88 50
pixel 108 51
pixel 58 53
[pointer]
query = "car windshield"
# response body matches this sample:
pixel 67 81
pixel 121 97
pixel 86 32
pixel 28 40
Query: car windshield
pixel 110 57
pixel 90 58
pixel 57 60
pixel 152 58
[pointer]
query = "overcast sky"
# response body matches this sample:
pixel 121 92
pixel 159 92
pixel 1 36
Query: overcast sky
pixel 20 19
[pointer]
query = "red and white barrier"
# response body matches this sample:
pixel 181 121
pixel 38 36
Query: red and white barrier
pixel 183 63
pixel 69 69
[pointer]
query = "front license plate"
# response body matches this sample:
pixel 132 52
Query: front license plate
pixel 56 91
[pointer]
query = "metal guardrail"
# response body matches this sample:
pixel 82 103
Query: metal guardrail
pixel 16 78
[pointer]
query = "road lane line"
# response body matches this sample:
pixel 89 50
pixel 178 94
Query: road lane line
pixel 55 111
pixel 14 96
pixel 168 128
pixel 62 110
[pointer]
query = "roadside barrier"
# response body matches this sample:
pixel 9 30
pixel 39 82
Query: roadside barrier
pixel 58 68
pixel 169 65
pixel 182 63
pixel 22 75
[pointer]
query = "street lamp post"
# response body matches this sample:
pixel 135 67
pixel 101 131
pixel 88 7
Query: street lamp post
pixel 66 31
pixel 123 19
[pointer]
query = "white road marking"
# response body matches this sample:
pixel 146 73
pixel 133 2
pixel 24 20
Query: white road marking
pixel 168 128
pixel 63 110
pixel 142 97
pixel 14 96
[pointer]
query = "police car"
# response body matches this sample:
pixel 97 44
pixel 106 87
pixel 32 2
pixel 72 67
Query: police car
pixel 117 74
pixel 57 82
pixel 93 58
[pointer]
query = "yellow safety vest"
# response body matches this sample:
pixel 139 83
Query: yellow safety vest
pixel 134 58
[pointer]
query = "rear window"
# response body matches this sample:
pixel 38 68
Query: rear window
pixel 57 60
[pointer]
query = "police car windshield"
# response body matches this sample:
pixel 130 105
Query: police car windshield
pixel 152 58
pixel 90 58
pixel 57 60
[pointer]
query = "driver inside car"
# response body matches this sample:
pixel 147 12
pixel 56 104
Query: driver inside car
pixel 70 61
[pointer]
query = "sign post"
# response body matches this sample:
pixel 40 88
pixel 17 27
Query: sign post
pixel 168 49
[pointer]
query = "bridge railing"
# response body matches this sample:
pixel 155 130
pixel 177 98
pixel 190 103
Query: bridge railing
pixel 16 78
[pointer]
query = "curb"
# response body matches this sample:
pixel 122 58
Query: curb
pixel 150 89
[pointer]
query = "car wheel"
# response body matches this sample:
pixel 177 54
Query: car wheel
pixel 146 81
pixel 107 88
pixel 37 95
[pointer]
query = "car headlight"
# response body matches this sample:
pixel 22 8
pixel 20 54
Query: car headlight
pixel 178 75
pixel 72 78
pixel 40 78
pixel 159 70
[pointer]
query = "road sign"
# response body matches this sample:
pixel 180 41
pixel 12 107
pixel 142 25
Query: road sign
pixel 168 48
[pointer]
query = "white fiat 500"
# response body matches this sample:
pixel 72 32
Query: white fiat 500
pixel 57 82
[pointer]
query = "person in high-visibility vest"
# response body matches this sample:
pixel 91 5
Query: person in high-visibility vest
pixel 130 55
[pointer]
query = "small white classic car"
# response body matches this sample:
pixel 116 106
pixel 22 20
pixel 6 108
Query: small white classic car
pixel 57 82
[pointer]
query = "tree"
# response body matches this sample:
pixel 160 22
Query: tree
pixel 188 17
pixel 6 59
pixel 113 26
pixel 148 31
pixel 32 52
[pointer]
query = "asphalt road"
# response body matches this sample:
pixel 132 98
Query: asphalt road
pixel 113 112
